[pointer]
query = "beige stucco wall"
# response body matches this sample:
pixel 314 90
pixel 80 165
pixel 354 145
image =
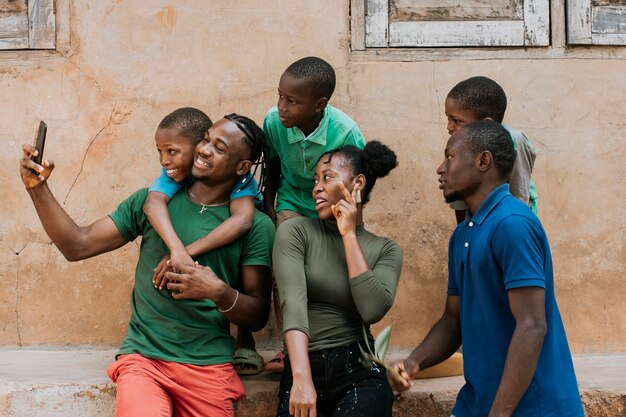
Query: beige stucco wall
pixel 127 64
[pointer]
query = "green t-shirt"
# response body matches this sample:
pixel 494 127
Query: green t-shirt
pixel 299 154
pixel 317 296
pixel 185 331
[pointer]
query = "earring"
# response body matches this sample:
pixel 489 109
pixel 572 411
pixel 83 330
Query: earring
pixel 358 196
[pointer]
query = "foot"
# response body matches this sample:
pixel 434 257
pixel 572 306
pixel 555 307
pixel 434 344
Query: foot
pixel 277 363
pixel 248 362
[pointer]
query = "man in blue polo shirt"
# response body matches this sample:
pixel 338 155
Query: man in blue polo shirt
pixel 501 303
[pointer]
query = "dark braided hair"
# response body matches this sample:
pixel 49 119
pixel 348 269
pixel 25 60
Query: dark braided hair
pixel 254 138
pixel 191 123
pixel 481 95
pixel 375 161
pixel 319 74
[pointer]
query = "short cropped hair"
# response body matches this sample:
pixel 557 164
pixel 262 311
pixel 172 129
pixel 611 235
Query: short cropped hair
pixel 319 75
pixel 487 135
pixel 190 122
pixel 481 95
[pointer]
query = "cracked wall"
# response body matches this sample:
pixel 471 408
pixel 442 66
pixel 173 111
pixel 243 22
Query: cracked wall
pixel 130 63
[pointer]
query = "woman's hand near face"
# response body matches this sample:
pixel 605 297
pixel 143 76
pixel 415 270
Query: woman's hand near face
pixel 345 211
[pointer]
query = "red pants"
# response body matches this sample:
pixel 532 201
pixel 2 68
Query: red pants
pixel 150 387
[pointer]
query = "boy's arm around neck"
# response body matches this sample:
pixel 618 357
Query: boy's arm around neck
pixel 236 226
pixel 158 215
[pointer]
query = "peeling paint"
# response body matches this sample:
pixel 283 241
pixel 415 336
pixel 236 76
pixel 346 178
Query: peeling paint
pixel 124 71
pixel 167 18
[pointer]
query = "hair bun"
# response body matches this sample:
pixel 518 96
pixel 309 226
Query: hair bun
pixel 378 159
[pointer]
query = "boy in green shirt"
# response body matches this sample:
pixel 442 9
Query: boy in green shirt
pixel 299 130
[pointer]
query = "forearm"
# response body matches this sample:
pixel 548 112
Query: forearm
pixel 59 226
pixel 441 342
pixel 297 344
pixel 372 297
pixel 231 229
pixel 158 215
pixel 519 368
pixel 73 241
pixel 355 258
pixel 438 346
pixel 249 311
pixel 374 290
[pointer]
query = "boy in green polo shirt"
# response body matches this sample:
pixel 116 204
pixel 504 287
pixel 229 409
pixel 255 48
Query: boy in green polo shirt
pixel 299 130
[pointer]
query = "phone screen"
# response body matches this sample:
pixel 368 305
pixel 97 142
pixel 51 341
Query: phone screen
pixel 40 141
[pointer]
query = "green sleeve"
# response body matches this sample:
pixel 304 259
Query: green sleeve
pixel 374 291
pixel 289 254
pixel 355 138
pixel 259 241
pixel 129 216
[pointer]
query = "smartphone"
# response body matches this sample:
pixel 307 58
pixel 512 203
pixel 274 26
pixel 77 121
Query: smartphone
pixel 40 141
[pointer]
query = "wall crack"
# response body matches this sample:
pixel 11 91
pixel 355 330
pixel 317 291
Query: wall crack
pixel 112 120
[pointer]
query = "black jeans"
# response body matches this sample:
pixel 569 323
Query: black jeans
pixel 345 388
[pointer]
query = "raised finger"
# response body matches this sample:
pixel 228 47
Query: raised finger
pixel 29 150
pixel 345 193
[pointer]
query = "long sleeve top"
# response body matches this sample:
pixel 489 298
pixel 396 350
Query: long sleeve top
pixel 316 294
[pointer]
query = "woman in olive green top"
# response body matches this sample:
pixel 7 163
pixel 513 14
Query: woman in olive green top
pixel 333 276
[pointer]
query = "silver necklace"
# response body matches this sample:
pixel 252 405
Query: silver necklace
pixel 205 206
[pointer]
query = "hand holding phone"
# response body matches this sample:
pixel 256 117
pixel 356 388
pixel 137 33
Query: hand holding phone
pixel 40 141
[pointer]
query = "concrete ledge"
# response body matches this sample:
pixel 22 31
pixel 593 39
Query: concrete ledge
pixel 73 383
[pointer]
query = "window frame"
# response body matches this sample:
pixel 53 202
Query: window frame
pixel 36 30
pixel 580 22
pixel 379 32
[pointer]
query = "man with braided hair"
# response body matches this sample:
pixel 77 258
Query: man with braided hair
pixel 177 356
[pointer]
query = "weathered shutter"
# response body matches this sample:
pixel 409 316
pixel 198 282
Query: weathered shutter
pixel 27 24
pixel 452 23
pixel 596 22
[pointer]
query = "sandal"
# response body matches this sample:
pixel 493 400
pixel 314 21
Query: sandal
pixel 277 364
pixel 248 362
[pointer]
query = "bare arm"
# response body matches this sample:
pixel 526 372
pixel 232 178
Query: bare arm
pixel 528 308
pixel 74 242
pixel 249 308
pixel 237 225
pixel 441 342
pixel 158 215
pixel 271 187
pixel 303 397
